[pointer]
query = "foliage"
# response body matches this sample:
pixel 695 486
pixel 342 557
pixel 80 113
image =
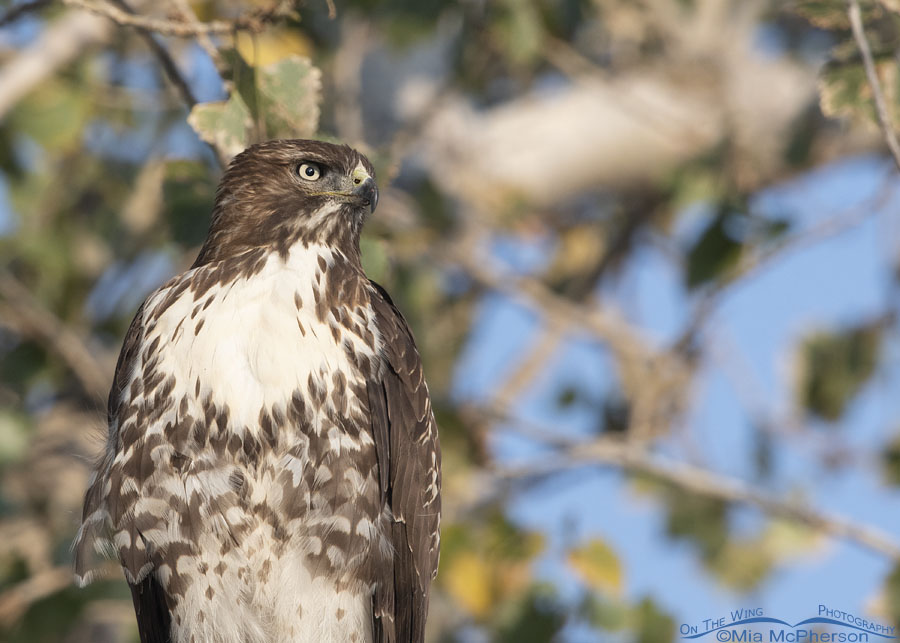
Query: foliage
pixel 106 184
pixel 835 366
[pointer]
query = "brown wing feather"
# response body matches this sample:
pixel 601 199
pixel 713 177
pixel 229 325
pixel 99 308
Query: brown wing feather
pixel 150 604
pixel 408 451
pixel 95 520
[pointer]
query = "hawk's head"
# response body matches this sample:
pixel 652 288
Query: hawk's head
pixel 280 192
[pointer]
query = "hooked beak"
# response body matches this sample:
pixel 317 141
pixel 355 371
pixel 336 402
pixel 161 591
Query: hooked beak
pixel 367 191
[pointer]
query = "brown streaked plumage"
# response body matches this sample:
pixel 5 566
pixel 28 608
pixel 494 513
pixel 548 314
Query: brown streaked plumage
pixel 272 470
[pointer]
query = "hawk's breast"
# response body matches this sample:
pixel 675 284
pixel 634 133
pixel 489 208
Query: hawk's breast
pixel 255 341
pixel 264 442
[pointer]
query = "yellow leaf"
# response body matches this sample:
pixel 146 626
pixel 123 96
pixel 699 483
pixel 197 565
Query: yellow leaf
pixel 579 248
pixel 271 46
pixel 598 566
pixel 469 582
pixel 785 540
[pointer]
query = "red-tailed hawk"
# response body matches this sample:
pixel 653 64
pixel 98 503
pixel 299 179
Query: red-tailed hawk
pixel 272 469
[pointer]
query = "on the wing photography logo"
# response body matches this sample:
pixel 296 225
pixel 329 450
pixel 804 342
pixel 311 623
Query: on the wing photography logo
pixel 753 626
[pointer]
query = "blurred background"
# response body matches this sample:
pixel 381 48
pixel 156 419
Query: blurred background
pixel 649 249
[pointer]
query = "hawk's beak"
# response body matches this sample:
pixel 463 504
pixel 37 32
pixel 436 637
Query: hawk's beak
pixel 368 192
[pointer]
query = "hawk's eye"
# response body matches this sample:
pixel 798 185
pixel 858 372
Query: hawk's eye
pixel 309 171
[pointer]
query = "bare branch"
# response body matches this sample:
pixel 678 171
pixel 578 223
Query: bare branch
pixel 59 43
pixel 347 74
pixel 27 317
pixel 255 21
pixel 558 310
pixel 165 59
pixel 694 479
pixel 15 601
pixel 203 39
pixel 534 361
pixel 881 108
pixel 171 69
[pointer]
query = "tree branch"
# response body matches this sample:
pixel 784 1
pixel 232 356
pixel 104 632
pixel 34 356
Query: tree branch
pixel 27 317
pixel 59 43
pixel 881 108
pixel 203 39
pixel 15 601
pixel 171 69
pixel 168 65
pixel 254 21
pixel 559 311
pixel 639 459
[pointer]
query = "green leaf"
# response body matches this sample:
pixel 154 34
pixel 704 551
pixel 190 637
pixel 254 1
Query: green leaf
pixel 289 95
pixel 652 624
pixel 644 619
pixel 280 100
pixel 537 617
pixel 844 90
pixel 715 252
pixel 243 78
pixel 597 564
pixel 223 124
pixel 890 462
pixel 742 564
pixel 13 436
pixel 704 521
pixel 520 31
pixel 825 14
pixel 892 595
pixel 835 366
pixel 605 613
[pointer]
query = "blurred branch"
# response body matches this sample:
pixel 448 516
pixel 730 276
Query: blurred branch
pixel 881 108
pixel 538 355
pixel 28 317
pixel 59 43
pixel 203 39
pixel 347 75
pixel 20 10
pixel 558 310
pixel 165 59
pixel 15 601
pixel 655 382
pixel 254 21
pixel 171 69
pixel 637 459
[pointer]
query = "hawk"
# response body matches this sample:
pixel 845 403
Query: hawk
pixel 272 466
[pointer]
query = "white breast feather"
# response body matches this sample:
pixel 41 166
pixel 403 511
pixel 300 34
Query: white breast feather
pixel 249 354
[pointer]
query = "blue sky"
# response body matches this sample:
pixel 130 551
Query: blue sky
pixel 839 280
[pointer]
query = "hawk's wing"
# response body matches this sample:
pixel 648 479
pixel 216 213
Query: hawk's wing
pixel 105 505
pixel 409 458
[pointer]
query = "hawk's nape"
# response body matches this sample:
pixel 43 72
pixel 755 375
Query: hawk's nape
pixel 272 470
